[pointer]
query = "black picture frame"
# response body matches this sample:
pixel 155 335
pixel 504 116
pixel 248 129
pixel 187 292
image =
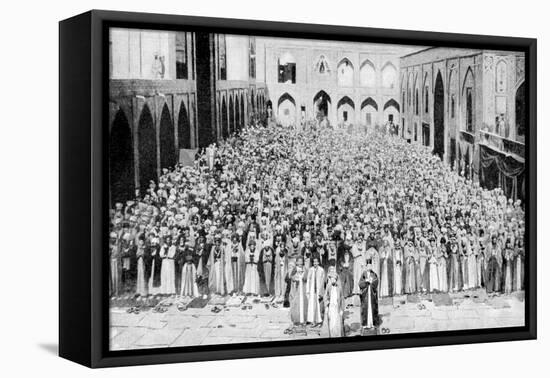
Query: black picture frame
pixel 83 85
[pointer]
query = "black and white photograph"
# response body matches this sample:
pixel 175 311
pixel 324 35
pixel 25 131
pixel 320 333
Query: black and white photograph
pixel 264 189
pixel 245 189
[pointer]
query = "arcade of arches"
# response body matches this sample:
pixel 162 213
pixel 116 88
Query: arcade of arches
pixel 470 111
pixel 433 102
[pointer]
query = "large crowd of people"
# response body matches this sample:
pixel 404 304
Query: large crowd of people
pixel 312 217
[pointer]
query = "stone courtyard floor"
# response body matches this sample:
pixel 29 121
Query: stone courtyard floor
pixel 180 325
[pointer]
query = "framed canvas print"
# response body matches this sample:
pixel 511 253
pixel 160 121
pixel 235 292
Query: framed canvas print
pixel 234 188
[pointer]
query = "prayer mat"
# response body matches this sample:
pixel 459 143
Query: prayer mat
pixel 199 302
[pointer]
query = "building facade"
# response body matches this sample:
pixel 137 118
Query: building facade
pixel 469 107
pixel 172 92
pixel 346 82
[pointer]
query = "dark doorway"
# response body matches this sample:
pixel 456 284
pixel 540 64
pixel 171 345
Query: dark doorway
pixel 269 109
pixel 206 88
pixel 322 100
pixel 231 115
pixel 225 126
pixel 168 157
pixel 439 119
pixel 184 128
pixel 243 115
pixel 147 147
pixel 237 114
pixel 520 113
pixel 453 152
pixel 121 160
pixel 425 134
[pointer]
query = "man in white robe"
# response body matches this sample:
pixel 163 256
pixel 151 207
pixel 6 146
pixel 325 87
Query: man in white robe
pixel 315 291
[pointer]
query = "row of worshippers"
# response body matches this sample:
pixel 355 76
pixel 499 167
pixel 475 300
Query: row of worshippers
pixel 279 187
pixel 170 265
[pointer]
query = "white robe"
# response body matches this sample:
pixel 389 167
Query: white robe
pixel 251 275
pixel 472 271
pixel 189 280
pixel 315 289
pixel 434 274
pixel 141 285
pixel 168 270
pixel 398 272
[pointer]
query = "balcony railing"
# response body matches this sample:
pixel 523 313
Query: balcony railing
pixel 505 145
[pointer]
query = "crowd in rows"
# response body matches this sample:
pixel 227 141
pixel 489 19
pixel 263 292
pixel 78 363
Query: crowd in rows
pixel 312 217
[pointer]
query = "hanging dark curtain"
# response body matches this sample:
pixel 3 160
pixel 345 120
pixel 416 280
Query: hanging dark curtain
pixel 511 172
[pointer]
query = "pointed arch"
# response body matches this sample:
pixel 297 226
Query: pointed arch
pixel 346 100
pixel 147 149
pixel 367 74
pixel 426 93
pixel 231 115
pixel 345 110
pixel 225 124
pixel 345 60
pixel 121 160
pixel 243 115
pixel 321 103
pixel 469 79
pixel 345 73
pixel 285 96
pixel 391 102
pixel 391 110
pixel 168 157
pixel 237 114
pixel 389 75
pixel 439 117
pixel 369 110
pixel 184 127
pixel 369 101
pixel 286 110
pixel 468 100
pixel 321 95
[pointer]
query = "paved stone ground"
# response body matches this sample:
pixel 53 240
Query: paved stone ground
pixel 181 326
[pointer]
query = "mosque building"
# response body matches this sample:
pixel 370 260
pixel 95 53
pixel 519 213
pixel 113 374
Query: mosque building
pixel 468 106
pixel 172 93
